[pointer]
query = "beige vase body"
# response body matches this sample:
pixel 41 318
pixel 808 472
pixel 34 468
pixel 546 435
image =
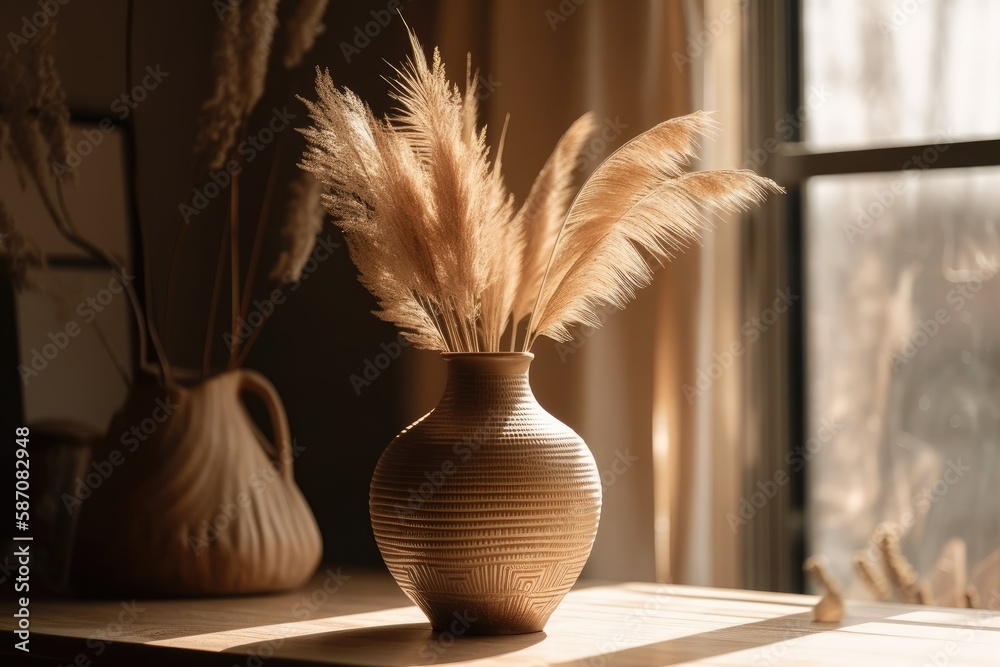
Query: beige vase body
pixel 487 507
pixel 187 497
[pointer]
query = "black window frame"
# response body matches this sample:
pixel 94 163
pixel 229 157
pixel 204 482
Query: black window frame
pixel 773 257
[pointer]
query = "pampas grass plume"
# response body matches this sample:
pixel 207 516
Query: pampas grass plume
pixel 304 220
pixel 305 25
pixel 239 70
pixel 432 229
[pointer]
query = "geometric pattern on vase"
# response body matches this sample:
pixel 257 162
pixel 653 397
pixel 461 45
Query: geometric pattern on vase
pixel 488 506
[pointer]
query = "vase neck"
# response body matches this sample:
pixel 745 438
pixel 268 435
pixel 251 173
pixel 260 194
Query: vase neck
pixel 487 380
pixel 488 363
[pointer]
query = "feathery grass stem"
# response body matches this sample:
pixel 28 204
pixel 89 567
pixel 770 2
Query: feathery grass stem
pixel 69 231
pixel 265 210
pixel 426 211
pixel 220 262
pixel 234 266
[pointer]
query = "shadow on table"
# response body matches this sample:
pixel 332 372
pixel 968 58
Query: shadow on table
pixel 770 632
pixel 401 645
pixel 769 637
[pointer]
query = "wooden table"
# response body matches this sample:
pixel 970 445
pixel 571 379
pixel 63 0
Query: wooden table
pixel 361 618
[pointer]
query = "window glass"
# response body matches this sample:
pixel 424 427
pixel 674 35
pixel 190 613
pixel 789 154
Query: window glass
pixel 900 71
pixel 903 329
pixel 65 369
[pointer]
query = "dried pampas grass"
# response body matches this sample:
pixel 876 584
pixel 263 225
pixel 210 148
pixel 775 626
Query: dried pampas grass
pixel 432 228
pixel 260 22
pixel 898 569
pixel 303 28
pixel 544 210
pixel 222 113
pixel 871 577
pixel 637 203
pixel 421 207
pixel 34 118
pixel 18 254
pixel 303 223
pixel 239 69
pixel 830 607
pixel 50 101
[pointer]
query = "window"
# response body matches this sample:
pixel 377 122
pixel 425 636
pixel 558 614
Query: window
pixel 892 235
pixel 67 325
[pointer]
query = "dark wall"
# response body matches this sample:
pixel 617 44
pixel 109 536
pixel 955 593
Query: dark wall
pixel 323 331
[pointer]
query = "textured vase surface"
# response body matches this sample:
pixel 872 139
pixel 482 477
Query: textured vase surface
pixel 487 507
pixel 188 498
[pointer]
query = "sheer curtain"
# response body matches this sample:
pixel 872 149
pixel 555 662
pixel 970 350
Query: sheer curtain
pixel 667 460
pixel 700 321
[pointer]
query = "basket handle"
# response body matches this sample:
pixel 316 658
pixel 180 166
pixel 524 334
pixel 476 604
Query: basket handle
pixel 256 383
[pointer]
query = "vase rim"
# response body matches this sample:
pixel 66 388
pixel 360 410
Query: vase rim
pixel 487 355
pixel 488 363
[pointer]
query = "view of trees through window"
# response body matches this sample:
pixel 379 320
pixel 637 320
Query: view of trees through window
pixel 901 272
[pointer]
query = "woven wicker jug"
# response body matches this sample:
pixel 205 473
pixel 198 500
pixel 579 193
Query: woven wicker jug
pixel 195 500
pixel 487 507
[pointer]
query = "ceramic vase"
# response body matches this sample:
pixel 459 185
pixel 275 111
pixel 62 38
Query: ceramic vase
pixel 487 507
pixel 186 497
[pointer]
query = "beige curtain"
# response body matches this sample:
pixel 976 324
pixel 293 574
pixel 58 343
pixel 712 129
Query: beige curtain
pixel 667 464
pixel 704 478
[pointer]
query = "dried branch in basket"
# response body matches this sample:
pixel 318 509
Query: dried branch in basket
pixel 34 118
pixel 305 25
pixel 18 253
pixel 239 68
pixel 303 222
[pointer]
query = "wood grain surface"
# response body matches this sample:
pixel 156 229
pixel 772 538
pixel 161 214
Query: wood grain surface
pixel 361 618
